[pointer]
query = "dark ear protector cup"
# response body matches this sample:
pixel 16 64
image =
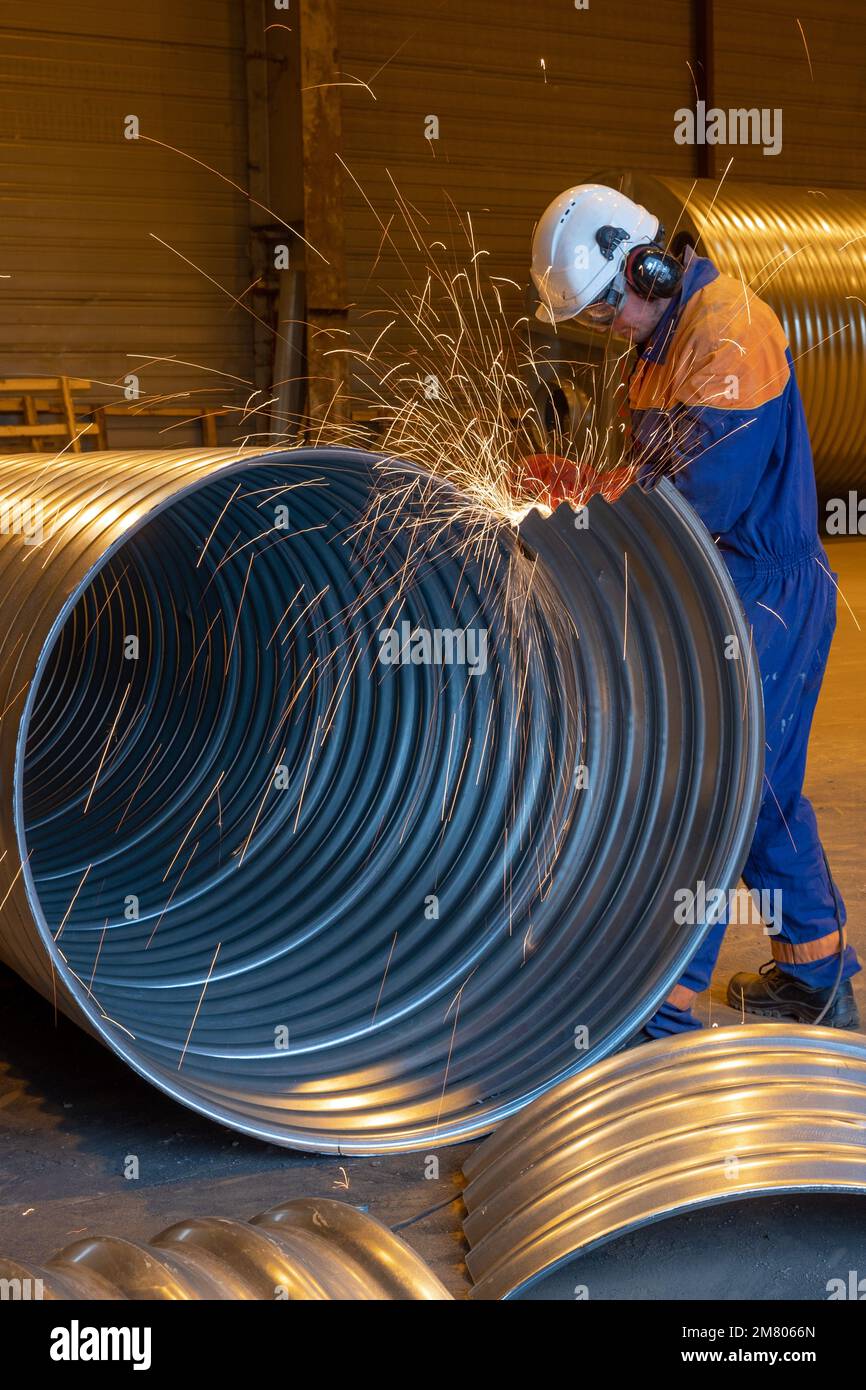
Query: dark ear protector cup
pixel 652 272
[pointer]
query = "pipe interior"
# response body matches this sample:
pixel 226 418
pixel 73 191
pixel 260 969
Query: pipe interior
pixel 250 839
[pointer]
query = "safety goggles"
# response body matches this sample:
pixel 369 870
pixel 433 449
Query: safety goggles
pixel 603 310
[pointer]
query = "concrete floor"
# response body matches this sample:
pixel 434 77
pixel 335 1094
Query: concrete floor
pixel 70 1113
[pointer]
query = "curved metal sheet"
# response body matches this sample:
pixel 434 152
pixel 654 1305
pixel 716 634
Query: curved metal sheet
pixel 706 1117
pixel 309 1248
pixel 802 250
pixel 335 903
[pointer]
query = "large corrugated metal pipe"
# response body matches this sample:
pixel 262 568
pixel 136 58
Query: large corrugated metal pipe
pixel 712 1116
pixel 345 813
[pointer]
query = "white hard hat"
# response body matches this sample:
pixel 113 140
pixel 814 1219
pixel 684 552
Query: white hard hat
pixel 571 268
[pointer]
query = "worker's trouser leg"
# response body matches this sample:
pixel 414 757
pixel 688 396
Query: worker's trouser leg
pixel 675 1014
pixel 786 857
pixel 793 614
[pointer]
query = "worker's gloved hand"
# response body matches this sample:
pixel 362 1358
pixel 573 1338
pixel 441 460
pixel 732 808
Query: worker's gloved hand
pixel 550 479
pixel 612 482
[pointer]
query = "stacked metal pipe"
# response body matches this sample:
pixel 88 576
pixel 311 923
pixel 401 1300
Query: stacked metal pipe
pixel 306 1249
pixel 681 1123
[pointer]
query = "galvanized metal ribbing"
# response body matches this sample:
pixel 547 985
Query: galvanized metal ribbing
pixel 802 250
pixel 433 918
pixel 308 1248
pixel 681 1123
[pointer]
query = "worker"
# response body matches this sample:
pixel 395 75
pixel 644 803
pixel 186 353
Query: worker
pixel 715 407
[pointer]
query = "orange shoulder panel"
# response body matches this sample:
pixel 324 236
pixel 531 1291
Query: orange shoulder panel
pixel 728 351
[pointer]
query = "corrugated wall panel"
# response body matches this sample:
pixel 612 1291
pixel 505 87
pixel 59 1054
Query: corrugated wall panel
pixel 91 292
pixel 512 132
pixel 763 60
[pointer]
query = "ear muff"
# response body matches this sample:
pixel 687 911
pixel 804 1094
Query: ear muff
pixel 653 273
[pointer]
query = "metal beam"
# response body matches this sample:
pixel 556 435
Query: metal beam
pixel 703 20
pixel 260 295
pixel 324 213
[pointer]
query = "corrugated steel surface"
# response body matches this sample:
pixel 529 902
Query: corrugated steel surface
pixel 512 135
pixel 91 293
pixel 461 888
pixel 669 1126
pixel 802 250
pixel 312 1248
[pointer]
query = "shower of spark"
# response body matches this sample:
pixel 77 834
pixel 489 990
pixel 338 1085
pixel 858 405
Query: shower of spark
pixel 454 385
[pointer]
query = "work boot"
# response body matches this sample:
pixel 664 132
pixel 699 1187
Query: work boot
pixel 773 994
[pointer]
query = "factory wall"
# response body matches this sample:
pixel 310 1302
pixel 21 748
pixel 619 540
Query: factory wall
pixel 90 290
pixel 514 130
pixel 528 98
pixel 812 71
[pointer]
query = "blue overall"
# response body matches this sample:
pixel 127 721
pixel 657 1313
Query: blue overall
pixel 716 407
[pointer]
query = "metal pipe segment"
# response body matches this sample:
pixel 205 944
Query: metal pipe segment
pixel 346 814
